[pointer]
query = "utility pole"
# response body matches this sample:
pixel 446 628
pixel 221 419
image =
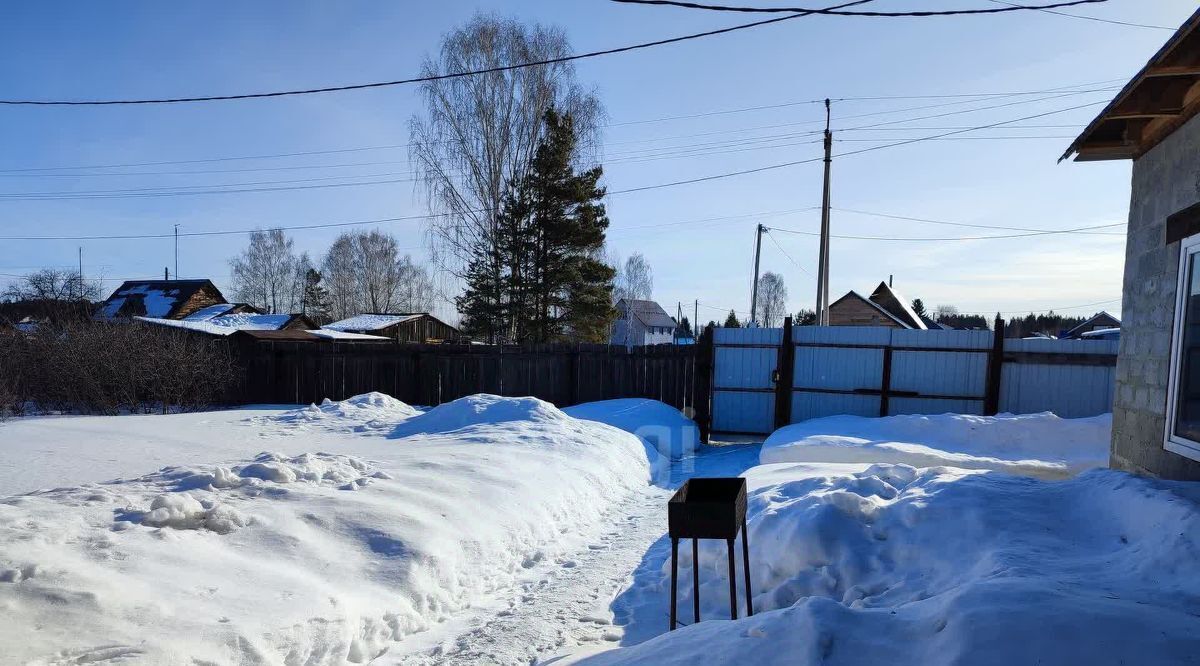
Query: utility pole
pixel 758 234
pixel 81 272
pixel 176 251
pixel 695 318
pixel 823 258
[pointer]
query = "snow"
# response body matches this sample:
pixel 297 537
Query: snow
pixel 158 302
pixel 225 324
pixel 664 427
pixel 1041 445
pixel 206 313
pixel 326 555
pixel 947 566
pixel 369 322
pixel 343 335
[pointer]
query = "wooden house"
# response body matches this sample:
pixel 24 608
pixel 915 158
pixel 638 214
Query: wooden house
pixel 884 307
pixel 160 299
pixel 1098 321
pixel 419 327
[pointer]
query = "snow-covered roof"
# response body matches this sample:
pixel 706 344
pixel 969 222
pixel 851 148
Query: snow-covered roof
pixel 226 324
pixel 891 300
pixel 204 314
pixel 649 313
pixel 344 335
pixel 369 322
pixel 159 298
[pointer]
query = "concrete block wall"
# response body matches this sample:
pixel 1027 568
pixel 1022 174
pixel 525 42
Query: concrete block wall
pixel 1165 180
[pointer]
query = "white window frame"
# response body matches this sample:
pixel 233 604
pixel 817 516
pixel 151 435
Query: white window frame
pixel 1183 446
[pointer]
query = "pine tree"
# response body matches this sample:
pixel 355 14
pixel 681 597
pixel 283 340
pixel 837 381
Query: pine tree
pixel 544 281
pixel 316 298
pixel 918 307
pixel 732 321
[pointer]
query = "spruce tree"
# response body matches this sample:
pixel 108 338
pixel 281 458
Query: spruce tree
pixel 732 321
pixel 316 298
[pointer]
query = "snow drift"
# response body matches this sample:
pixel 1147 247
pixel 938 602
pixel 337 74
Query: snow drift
pixel 1041 445
pixel 948 566
pixel 362 413
pixel 665 428
pixel 314 558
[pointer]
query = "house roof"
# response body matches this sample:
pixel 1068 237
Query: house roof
pixel 649 313
pixel 1099 317
pixel 159 298
pixel 876 306
pixel 1156 101
pixel 227 324
pixel 891 300
pixel 371 321
pixel 204 314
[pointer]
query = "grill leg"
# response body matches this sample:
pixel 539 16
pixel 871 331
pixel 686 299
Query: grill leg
pixel 695 580
pixel 746 567
pixel 674 575
pixel 732 581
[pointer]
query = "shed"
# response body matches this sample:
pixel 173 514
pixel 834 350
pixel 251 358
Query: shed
pixel 160 299
pixel 884 307
pixel 420 327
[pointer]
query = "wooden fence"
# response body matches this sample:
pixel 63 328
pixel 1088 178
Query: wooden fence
pixel 278 371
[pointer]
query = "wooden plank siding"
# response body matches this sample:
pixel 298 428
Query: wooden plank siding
pixel 287 372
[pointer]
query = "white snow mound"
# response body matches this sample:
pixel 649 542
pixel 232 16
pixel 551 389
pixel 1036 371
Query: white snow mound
pixel 481 409
pixel 317 558
pixel 949 566
pixel 367 412
pixel 1041 445
pixel 662 426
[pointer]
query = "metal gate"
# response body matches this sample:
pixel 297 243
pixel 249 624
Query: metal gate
pixel 743 394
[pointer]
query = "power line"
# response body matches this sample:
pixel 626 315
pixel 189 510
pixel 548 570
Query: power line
pixel 436 77
pixel 853 152
pixel 785 253
pixel 956 238
pixel 966 224
pixel 837 11
pixel 1089 18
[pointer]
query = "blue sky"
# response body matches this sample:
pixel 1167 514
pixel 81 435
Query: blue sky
pixel 139 49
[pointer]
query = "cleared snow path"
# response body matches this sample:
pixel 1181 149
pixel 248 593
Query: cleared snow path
pixel 569 603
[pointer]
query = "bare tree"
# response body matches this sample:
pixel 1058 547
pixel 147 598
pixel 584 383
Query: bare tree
pixel 772 299
pixel 478 134
pixel 634 280
pixel 337 268
pixel 52 284
pixel 364 272
pixel 265 273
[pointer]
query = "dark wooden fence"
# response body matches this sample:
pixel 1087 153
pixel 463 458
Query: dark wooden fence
pixel 278 371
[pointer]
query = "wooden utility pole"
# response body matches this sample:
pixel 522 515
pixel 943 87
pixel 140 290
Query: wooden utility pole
pixel 823 258
pixel 176 251
pixel 758 234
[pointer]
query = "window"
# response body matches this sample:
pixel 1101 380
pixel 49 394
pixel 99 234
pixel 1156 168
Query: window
pixel 1183 401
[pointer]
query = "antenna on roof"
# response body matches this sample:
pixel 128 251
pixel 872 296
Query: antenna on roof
pixel 166 273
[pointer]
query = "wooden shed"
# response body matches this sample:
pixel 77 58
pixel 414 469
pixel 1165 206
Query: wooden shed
pixel 419 327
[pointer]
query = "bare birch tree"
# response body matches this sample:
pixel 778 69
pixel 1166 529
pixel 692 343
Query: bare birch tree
pixel 772 300
pixel 478 134
pixel 634 280
pixel 264 274
pixel 365 272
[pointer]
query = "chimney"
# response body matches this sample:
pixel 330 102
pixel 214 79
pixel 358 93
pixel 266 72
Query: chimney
pixel 166 273
pixel 889 282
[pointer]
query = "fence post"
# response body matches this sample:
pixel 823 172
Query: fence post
pixel 784 371
pixel 885 382
pixel 573 374
pixel 991 400
pixel 703 383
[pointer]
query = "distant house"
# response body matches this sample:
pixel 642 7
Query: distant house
pixel 1101 320
pixel 159 299
pixel 641 323
pixel 1155 122
pixel 420 327
pixel 884 307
